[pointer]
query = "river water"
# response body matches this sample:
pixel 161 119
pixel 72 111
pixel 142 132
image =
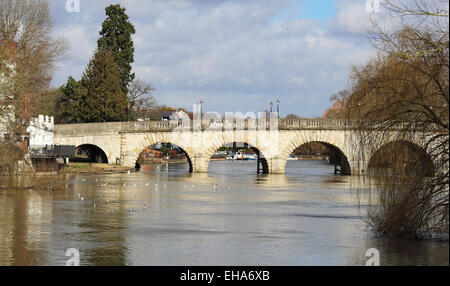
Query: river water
pixel 230 216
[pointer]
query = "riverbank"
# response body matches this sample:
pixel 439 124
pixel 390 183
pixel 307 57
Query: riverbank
pixel 94 168
pixel 311 158
pixel 158 161
pixel 219 159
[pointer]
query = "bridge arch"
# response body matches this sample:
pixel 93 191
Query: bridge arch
pixel 422 161
pixel 93 153
pixel 337 146
pixel 261 161
pixel 189 161
pixel 137 143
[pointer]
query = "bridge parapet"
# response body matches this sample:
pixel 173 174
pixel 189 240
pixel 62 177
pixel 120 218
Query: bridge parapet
pixel 82 129
pixel 237 124
pixel 153 126
pixel 319 124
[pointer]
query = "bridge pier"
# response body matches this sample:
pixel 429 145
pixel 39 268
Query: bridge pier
pixel 277 165
pixel 200 163
pixel 128 160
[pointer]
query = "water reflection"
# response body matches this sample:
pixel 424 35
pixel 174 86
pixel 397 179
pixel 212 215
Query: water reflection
pixel 25 239
pixel 230 216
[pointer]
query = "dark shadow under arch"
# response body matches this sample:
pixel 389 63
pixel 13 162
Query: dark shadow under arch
pixel 90 153
pixel 189 161
pixel 398 154
pixel 336 157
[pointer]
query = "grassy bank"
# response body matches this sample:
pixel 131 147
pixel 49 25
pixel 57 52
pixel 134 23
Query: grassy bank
pixel 94 168
pixel 158 161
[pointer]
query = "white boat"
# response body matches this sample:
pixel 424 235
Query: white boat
pixel 241 156
pixel 238 156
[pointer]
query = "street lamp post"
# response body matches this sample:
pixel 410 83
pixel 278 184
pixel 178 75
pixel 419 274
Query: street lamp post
pixel 278 108
pixel 201 109
pixel 271 107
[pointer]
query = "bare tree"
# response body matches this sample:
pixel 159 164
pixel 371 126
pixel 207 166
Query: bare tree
pixel 26 32
pixel 140 99
pixel 406 91
pixel 339 101
pixel 28 54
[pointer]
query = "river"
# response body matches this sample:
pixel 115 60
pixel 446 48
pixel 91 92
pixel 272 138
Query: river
pixel 230 216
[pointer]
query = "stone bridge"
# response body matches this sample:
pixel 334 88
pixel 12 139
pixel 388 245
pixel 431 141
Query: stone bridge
pixel 122 142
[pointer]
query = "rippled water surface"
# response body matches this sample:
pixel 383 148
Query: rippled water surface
pixel 230 216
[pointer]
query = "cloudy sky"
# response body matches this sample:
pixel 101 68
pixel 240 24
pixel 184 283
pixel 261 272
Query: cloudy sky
pixel 233 55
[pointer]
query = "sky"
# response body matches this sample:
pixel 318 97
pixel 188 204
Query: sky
pixel 236 56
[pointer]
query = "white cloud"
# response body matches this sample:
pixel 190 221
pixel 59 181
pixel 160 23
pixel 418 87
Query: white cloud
pixel 352 17
pixel 230 54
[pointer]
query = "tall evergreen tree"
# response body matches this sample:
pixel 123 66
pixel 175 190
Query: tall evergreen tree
pixel 115 35
pixel 101 96
pixel 68 102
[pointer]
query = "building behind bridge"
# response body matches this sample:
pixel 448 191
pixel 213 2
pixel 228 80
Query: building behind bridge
pixel 41 140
